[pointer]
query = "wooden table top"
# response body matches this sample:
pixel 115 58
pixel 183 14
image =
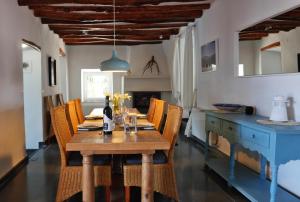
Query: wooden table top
pixel 118 143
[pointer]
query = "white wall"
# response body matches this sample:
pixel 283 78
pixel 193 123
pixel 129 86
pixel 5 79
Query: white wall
pixel 271 62
pixel 17 23
pixel 33 105
pixel 63 77
pixel 81 57
pixel 223 21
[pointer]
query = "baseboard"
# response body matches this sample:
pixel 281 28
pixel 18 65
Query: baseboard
pixel 13 172
pixel 42 145
pixel 197 141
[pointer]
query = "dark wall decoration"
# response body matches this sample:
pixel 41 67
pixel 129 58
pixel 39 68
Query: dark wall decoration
pixel 152 65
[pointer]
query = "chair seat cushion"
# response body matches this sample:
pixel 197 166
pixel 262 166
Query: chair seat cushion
pixel 159 157
pixel 75 159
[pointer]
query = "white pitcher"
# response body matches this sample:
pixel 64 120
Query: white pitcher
pixel 279 110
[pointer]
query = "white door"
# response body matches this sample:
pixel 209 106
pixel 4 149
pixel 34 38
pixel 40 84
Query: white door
pixel 33 108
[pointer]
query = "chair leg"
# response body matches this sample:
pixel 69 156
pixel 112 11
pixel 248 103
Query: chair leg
pixel 127 194
pixel 107 194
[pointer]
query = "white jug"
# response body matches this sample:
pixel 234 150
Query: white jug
pixel 279 111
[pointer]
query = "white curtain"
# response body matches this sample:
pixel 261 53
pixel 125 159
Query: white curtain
pixel 183 68
pixel 176 73
pixel 187 70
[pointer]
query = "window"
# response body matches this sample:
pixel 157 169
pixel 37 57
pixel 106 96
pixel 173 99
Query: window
pixel 95 84
pixel 241 70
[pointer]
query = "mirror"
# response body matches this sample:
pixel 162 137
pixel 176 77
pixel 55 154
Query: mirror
pixel 271 47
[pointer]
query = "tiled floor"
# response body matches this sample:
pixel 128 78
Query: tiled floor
pixel 37 182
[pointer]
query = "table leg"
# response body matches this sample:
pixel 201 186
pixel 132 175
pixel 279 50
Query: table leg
pixel 88 188
pixel 273 188
pixel 263 163
pixel 206 145
pixel 232 161
pixel 147 178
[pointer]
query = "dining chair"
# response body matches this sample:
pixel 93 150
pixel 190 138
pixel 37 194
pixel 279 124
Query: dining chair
pixel 79 111
pixel 72 116
pixel 60 99
pixel 158 114
pixel 70 178
pixel 164 180
pixel 151 109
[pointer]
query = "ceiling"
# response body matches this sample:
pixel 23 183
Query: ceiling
pixel 284 22
pixel 90 22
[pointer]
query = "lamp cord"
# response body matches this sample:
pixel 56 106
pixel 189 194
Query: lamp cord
pixel 114 10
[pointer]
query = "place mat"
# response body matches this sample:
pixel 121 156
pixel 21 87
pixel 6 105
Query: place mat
pixel 91 124
pixel 92 117
pixel 270 122
pixel 142 123
pixel 141 116
pixel 96 113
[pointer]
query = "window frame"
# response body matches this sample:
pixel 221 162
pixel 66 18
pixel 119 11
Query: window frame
pixel 84 73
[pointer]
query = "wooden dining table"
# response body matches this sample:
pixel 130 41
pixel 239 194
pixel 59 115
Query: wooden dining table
pixel 143 142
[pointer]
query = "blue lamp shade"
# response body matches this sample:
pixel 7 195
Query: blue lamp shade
pixel 114 64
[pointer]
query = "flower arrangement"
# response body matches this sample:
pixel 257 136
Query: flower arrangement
pixel 118 100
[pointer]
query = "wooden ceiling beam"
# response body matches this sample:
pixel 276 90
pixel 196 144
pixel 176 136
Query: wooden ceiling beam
pixel 119 16
pixel 273 22
pixel 186 7
pixel 120 32
pixel 103 2
pixel 287 18
pixel 105 40
pixel 271 31
pixel 119 27
pixel 127 37
pixel 250 39
pixel 119 43
pixel 89 22
pixel 254 34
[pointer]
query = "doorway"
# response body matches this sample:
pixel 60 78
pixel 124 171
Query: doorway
pixel 32 88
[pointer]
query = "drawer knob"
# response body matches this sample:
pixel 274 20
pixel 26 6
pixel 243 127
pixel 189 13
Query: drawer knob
pixel 230 128
pixel 253 136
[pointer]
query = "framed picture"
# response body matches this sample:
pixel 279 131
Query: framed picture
pixel 209 56
pixel 52 71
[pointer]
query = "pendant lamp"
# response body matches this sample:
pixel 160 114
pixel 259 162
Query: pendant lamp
pixel 114 64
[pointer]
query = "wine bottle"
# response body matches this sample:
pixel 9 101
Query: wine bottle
pixel 107 118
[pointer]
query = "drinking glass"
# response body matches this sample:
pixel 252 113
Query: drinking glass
pixel 133 124
pixel 125 123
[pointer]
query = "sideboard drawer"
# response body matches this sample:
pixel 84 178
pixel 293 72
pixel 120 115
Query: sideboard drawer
pixel 255 136
pixel 214 123
pixel 230 128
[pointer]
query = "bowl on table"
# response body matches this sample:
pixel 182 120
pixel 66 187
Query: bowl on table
pixel 228 107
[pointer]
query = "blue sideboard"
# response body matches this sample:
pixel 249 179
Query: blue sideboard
pixel 276 144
